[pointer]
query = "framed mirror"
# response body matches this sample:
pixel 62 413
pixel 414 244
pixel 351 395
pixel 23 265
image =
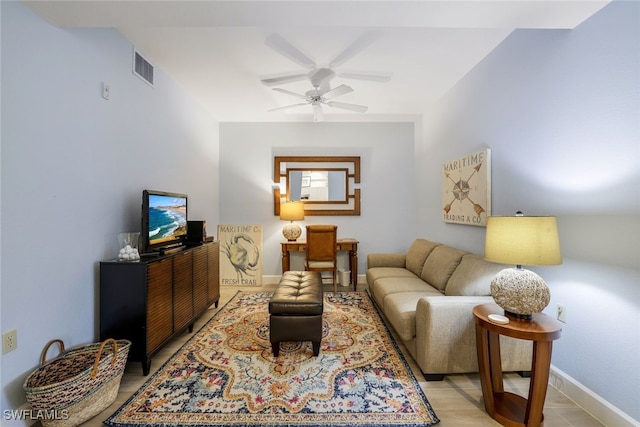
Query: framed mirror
pixel 326 185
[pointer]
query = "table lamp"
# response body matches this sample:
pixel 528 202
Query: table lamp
pixel 292 211
pixel 521 240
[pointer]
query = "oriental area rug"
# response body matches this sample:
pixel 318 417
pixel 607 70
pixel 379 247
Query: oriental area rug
pixel 226 374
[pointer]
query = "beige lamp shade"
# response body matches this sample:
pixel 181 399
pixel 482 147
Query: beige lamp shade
pixel 292 211
pixel 521 240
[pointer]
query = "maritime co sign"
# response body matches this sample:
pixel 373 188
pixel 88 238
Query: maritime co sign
pixel 35 415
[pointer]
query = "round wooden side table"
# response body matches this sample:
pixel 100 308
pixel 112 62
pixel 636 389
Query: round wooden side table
pixel 510 409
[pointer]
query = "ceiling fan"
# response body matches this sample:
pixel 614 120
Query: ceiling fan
pixel 316 97
pixel 315 73
pixel 320 77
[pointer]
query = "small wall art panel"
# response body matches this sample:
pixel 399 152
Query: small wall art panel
pixel 466 189
pixel 240 255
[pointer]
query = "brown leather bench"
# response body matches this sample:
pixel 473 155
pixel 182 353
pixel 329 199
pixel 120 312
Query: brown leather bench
pixel 296 310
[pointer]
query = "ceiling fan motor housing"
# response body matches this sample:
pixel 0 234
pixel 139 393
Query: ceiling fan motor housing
pixel 319 76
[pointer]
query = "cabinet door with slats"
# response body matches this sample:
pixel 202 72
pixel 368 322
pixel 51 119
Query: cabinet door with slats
pixel 200 272
pixel 159 325
pixel 182 290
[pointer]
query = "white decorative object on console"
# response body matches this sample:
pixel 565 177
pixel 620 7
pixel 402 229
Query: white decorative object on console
pixel 128 244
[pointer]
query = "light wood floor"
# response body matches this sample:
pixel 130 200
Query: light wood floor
pixel 457 400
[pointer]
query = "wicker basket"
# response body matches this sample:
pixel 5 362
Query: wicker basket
pixel 78 384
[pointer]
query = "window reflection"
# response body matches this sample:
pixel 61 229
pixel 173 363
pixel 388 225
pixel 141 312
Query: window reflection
pixel 317 185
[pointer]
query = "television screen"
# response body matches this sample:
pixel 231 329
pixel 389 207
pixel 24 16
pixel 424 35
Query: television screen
pixel 164 218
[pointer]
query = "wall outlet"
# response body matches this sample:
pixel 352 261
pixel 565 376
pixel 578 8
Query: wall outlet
pixel 9 341
pixel 561 313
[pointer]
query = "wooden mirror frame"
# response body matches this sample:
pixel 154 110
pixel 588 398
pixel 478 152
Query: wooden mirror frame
pixel 316 208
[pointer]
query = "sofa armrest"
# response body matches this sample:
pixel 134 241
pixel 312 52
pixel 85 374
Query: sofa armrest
pixel 386 260
pixel 445 333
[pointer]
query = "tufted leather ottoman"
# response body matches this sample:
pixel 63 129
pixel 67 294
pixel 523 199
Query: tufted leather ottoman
pixel 296 310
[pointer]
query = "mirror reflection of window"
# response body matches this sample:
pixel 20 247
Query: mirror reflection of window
pixel 337 186
pixel 317 185
pixel 295 186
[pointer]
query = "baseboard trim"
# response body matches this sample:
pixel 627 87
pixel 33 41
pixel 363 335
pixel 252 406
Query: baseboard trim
pixel 595 405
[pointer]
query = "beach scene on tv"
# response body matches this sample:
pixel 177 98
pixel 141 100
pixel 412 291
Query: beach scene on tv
pixel 167 218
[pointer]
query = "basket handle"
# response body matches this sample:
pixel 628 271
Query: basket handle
pixel 94 371
pixel 43 357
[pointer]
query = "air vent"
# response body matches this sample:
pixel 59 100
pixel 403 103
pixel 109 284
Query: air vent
pixel 142 68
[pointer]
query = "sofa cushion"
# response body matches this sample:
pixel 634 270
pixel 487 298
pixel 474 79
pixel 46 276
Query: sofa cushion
pixel 375 260
pixel 440 264
pixel 385 286
pixel 376 273
pixel 418 253
pixel 472 277
pixel 400 310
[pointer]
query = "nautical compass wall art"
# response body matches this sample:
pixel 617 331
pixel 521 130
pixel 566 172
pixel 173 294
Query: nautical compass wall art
pixel 466 189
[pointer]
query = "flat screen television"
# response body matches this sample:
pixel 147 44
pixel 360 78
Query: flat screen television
pixel 164 220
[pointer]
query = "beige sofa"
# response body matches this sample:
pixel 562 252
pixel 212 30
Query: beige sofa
pixel 427 295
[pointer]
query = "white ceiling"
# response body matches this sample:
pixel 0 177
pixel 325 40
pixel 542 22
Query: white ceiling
pixel 216 49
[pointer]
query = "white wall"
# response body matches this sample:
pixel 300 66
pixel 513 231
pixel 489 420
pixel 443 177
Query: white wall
pixel 561 112
pixel 73 169
pixel 386 151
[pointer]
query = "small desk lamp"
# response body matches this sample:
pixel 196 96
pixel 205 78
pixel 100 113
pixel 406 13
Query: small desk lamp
pixel 528 240
pixel 292 211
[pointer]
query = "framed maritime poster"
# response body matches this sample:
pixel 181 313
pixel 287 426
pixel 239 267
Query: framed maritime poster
pixel 240 255
pixel 466 189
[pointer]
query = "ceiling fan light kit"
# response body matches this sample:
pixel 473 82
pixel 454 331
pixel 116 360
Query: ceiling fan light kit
pixel 318 114
pixel 320 77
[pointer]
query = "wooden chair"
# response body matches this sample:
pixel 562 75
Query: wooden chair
pixel 321 250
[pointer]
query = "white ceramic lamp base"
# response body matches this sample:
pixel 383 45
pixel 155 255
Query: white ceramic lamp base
pixel 291 232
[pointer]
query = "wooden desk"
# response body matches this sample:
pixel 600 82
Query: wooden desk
pixel 507 408
pixel 346 244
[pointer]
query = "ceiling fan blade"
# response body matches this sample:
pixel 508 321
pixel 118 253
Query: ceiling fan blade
pixel 355 48
pixel 273 81
pixel 281 45
pixel 337 91
pixel 345 106
pixel 286 107
pixel 318 114
pixel 374 77
pixel 288 92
